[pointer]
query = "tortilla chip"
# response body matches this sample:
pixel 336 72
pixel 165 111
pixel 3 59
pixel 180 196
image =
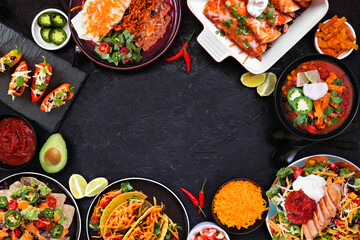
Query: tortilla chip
pixel 60 199
pixel 28 180
pixel 69 212
pixel 5 193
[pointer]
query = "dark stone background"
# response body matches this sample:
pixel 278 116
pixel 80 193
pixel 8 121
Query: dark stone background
pixel 160 122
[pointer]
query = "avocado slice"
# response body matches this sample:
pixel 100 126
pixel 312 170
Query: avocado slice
pixel 53 154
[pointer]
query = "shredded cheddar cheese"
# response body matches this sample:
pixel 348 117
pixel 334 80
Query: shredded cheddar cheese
pixel 239 204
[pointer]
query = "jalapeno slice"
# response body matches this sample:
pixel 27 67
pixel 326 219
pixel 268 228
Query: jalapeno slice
pixel 294 93
pixel 7 238
pixel 303 105
pixel 118 39
pixel 3 202
pixel 48 213
pixel 116 56
pixel 57 231
pixel 30 195
pixel 294 230
pixel 12 218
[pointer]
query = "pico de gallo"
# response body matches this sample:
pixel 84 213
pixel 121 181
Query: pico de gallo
pixel 209 234
pixel 329 218
pixel 29 210
pixel 316 97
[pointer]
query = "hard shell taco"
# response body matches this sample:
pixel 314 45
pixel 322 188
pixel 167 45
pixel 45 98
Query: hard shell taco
pixel 320 200
pixel 29 210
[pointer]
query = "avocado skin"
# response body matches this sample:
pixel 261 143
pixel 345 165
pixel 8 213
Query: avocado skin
pixel 58 142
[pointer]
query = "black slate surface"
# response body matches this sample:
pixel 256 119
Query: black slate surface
pixel 177 128
pixel 32 54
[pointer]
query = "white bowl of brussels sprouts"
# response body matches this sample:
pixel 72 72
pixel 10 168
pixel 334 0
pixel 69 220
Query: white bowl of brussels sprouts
pixel 50 29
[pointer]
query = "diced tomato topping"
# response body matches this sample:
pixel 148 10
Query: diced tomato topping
pixel 12 205
pixel 338 222
pixel 357 200
pixel 126 60
pixel 124 50
pixel 38 224
pixel 105 202
pixel 324 74
pixel 17 233
pixel 51 202
pixel 298 172
pixel 333 167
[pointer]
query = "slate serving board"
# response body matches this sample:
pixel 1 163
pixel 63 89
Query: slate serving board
pixel 32 54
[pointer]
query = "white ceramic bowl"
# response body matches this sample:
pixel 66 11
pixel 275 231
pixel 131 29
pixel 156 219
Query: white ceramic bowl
pixel 203 225
pixel 35 31
pixel 344 54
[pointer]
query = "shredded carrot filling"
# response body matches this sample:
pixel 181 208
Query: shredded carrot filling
pixel 239 204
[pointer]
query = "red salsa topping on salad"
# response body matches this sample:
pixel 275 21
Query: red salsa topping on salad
pixel 299 207
pixel 317 97
pixel 209 234
pixel 17 141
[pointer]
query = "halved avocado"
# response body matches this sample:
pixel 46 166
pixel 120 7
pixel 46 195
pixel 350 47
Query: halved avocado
pixel 53 154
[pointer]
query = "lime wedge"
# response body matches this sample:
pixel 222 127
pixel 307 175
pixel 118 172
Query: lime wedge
pixel 95 186
pixel 77 185
pixel 301 79
pixel 268 86
pixel 252 80
pixel 313 76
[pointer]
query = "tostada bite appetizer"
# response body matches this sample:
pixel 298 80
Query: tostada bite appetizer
pixel 320 200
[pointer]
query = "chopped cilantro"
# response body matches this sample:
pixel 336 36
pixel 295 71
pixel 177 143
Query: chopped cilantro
pixel 235 8
pixel 19 81
pixel 270 13
pixel 222 33
pixel 261 17
pixel 328 111
pixel 272 21
pixel 338 82
pixel 270 5
pixel 338 110
pixel 300 119
pixel 334 120
pixel 334 98
pixel 228 23
pixel 40 87
pixel 246 43
pixel 227 6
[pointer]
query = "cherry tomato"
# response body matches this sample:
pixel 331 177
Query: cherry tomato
pixel 104 48
pixel 12 205
pixel 124 50
pixel 298 172
pixel 338 222
pixel 46 223
pixel 126 60
pixel 333 167
pixel 38 224
pixel 51 202
pixel 357 200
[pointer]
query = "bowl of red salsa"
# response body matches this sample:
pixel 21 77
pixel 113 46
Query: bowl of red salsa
pixel 17 142
pixel 317 97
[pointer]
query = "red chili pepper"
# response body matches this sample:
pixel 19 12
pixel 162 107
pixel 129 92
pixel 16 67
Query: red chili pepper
pixel 193 199
pixel 43 86
pixel 181 52
pixel 201 196
pixel 104 48
pixel 187 59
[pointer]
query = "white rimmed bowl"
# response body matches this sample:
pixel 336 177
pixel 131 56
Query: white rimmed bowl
pixel 203 225
pixel 344 54
pixel 35 31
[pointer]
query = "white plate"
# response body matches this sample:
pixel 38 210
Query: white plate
pixel 300 163
pixel 219 47
pixel 35 31
pixel 344 54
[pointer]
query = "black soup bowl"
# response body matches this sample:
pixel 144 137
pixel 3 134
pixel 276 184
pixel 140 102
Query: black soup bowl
pixel 351 114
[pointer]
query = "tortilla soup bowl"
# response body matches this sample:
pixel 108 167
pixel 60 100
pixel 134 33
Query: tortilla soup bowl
pixel 317 97
pixel 18 142
pixel 231 201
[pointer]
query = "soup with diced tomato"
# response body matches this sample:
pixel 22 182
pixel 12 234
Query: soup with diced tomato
pixel 317 112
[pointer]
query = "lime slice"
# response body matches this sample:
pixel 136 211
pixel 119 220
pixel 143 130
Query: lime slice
pixel 252 80
pixel 313 76
pixel 77 185
pixel 268 85
pixel 95 186
pixel 301 79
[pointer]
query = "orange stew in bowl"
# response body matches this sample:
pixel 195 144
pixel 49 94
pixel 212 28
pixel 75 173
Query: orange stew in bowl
pixel 312 115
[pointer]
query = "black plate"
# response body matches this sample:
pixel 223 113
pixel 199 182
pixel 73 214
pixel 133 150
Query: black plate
pixel 75 228
pixel 348 120
pixel 62 73
pixel 174 207
pixel 251 228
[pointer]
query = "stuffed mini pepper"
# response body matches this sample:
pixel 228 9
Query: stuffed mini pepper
pixel 10 60
pixel 57 97
pixel 19 80
pixel 41 80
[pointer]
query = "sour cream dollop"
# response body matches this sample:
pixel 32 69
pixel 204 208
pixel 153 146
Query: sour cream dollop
pixel 256 7
pixel 315 91
pixel 312 185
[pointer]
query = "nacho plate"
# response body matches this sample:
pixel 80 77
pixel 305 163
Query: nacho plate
pixel 64 199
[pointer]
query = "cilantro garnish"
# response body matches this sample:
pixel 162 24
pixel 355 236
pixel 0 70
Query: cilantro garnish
pixel 246 43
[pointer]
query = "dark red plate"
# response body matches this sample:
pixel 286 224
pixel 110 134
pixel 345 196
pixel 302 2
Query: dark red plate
pixel 87 47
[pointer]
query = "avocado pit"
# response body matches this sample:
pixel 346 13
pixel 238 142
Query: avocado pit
pixel 53 156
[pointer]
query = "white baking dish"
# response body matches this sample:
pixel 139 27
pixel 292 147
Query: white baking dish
pixel 219 47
